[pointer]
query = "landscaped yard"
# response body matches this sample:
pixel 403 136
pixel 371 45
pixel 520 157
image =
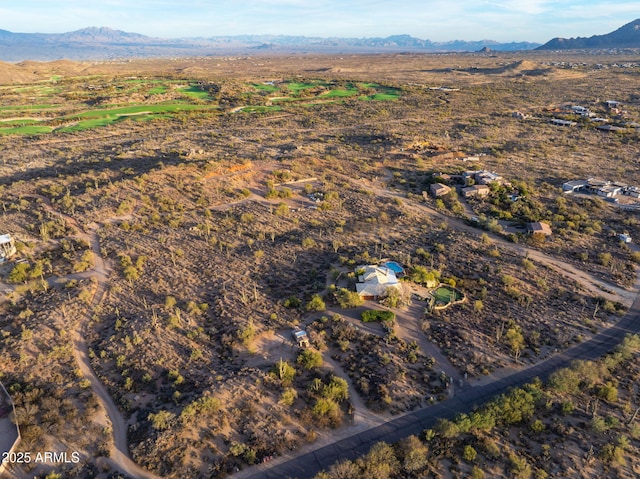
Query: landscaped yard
pixel 447 294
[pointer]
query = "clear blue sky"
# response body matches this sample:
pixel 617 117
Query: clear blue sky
pixel 437 20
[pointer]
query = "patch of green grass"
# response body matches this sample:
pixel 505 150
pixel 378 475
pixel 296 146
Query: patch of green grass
pixel 194 91
pixel 265 87
pixel 40 90
pixel 101 117
pixel 26 130
pixel 89 124
pixel 18 123
pixel 340 93
pixel 299 86
pixel 445 295
pixel 159 90
pixel 139 109
pixel 150 117
pixel 287 99
pixel 380 97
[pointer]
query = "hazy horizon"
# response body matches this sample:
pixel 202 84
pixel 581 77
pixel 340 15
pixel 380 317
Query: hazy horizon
pixel 436 20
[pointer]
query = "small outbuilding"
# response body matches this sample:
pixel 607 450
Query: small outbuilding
pixel 625 237
pixel 438 189
pixel 475 191
pixel 539 227
pixel 300 335
pixel 7 247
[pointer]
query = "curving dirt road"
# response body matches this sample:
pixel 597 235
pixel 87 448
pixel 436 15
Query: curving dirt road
pixel 119 448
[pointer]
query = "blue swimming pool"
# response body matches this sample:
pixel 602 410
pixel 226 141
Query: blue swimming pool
pixel 395 267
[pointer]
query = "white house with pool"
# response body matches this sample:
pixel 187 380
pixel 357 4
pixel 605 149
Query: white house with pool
pixel 373 281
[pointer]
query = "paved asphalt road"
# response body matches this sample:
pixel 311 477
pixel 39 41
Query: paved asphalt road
pixel 308 465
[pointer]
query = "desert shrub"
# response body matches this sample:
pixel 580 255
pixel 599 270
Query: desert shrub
pixel 315 304
pixel 310 359
pixel 469 454
pixel 372 315
pixel 348 299
pixel 421 275
pixel 19 273
pixel 161 420
pixel 413 454
pixel 608 392
pixel 293 302
pixel 288 396
pixel 283 371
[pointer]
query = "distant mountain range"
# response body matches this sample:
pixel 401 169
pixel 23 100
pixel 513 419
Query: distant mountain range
pixel 105 43
pixel 627 36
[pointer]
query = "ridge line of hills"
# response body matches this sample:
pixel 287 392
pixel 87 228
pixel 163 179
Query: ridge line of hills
pixel 102 43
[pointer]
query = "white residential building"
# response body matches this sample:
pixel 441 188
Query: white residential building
pixel 374 281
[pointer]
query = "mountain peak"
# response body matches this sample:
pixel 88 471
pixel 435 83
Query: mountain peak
pixel 627 36
pixel 101 34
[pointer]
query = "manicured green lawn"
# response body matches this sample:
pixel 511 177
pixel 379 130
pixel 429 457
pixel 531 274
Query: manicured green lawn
pixel 299 86
pixel 195 91
pixel 159 90
pixel 380 97
pixel 90 124
pixel 132 110
pixel 443 295
pixel 97 118
pixel 26 130
pixel 264 87
pixel 340 93
pixel 287 99
pixel 19 123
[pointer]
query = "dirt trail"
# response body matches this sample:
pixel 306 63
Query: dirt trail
pixel 409 329
pixel 119 448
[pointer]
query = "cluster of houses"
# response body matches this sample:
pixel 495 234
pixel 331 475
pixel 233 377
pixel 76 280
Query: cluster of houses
pixel 603 188
pixel 613 107
pixel 476 183
pixel 478 186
